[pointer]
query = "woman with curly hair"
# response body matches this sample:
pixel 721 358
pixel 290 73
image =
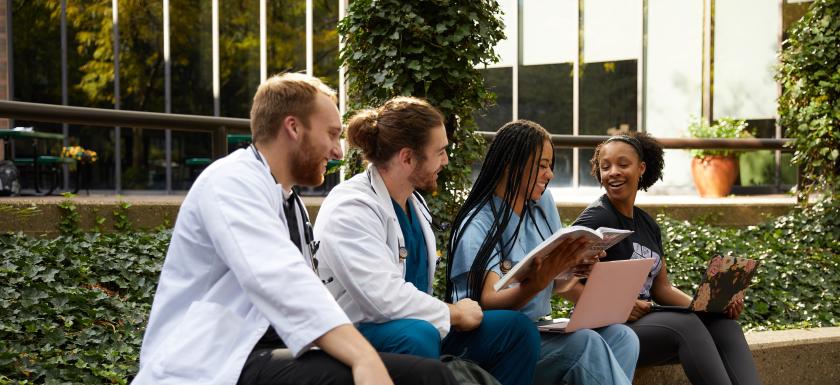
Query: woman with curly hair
pixel 710 347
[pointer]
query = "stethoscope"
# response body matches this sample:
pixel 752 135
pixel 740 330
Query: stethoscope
pixel 506 263
pixel 402 251
pixel 308 237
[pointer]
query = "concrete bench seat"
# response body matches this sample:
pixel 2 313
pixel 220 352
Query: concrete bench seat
pixel 797 356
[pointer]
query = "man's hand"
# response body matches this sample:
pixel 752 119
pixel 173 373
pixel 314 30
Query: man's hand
pixel 370 372
pixel 347 345
pixel 465 315
pixel 640 308
pixel 733 309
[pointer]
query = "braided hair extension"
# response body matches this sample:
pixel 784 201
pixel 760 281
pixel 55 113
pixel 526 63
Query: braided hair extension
pixel 512 157
pixel 649 151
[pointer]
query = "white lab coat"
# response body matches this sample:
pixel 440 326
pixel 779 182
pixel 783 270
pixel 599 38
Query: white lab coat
pixel 360 238
pixel 231 270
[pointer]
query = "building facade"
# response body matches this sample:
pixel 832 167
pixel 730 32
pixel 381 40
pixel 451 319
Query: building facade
pixel 578 67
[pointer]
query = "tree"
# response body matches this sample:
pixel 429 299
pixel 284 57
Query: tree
pixel 428 49
pixel 808 107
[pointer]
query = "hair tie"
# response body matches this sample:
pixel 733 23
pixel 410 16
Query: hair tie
pixel 629 140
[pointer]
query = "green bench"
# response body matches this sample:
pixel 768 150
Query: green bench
pixel 52 163
pixel 44 160
pixel 36 161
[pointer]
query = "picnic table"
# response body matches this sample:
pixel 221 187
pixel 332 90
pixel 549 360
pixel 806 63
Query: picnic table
pixel 37 160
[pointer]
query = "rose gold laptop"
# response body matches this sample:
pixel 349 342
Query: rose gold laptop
pixel 608 297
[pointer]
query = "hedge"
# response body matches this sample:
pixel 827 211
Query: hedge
pixel 797 284
pixel 74 307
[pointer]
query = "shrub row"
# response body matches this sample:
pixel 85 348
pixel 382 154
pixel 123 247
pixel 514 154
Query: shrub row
pixel 74 307
pixel 797 284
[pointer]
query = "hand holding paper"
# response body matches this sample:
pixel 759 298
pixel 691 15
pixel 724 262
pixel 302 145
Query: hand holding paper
pixel 598 240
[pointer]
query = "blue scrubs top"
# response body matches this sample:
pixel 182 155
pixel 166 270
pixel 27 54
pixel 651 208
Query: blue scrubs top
pixel 540 224
pixel 417 261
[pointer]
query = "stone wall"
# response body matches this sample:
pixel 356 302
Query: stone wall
pixel 798 356
pixel 41 215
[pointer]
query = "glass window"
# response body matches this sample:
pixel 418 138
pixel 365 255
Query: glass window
pixel 545 96
pixel 188 148
pixel 548 39
pixel 239 55
pixel 498 81
pixel 612 36
pixel 191 50
pixel 506 49
pixel 287 36
pixel 562 168
pixel 673 80
pixel 612 30
pixel 37 70
pixel 90 84
pixel 608 97
pixel 549 31
pixel 746 45
pixel 325 41
pixel 142 89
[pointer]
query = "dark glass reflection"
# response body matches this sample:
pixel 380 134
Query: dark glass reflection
pixel 584 168
pixel 545 96
pixel 562 168
pixel 239 46
pixel 500 82
pixel 325 41
pixel 608 97
pixel 191 47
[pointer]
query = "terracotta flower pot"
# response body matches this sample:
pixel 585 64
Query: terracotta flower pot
pixel 714 175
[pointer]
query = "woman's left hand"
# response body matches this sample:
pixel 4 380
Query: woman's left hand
pixel 584 269
pixel 733 309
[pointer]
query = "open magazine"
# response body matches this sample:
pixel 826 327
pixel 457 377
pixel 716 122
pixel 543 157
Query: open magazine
pixel 603 238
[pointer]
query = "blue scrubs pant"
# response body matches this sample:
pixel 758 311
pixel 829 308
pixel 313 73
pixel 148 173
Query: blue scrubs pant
pixel 506 344
pixel 601 356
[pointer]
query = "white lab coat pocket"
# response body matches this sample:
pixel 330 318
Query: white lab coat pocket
pixel 203 342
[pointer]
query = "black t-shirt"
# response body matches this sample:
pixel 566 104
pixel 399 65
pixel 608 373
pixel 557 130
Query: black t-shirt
pixel 645 242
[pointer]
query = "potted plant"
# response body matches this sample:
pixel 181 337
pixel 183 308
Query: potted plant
pixel 84 159
pixel 715 171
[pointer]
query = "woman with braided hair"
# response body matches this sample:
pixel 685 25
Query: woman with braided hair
pixel 506 215
pixel 710 347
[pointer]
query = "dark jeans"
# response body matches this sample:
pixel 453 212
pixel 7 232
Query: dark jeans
pixel 317 367
pixel 710 347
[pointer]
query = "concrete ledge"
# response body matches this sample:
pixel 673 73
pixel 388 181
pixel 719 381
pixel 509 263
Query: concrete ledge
pixel 41 215
pixel 799 356
pixel 738 211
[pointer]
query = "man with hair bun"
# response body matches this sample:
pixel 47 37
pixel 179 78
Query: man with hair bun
pixel 377 250
pixel 238 301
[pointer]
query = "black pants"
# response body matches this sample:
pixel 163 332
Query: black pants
pixel 711 348
pixel 317 367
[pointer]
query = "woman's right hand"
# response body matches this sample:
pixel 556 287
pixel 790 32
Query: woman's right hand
pixel 640 308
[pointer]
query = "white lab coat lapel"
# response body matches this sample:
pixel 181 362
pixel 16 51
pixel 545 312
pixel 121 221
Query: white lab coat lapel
pixel 393 226
pixel 394 229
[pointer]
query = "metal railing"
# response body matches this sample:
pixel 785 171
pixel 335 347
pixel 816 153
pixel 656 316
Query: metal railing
pixel 121 118
pixel 591 141
pixel 220 126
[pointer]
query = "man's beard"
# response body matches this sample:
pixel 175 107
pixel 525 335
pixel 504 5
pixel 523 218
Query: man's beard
pixel 306 164
pixel 422 180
